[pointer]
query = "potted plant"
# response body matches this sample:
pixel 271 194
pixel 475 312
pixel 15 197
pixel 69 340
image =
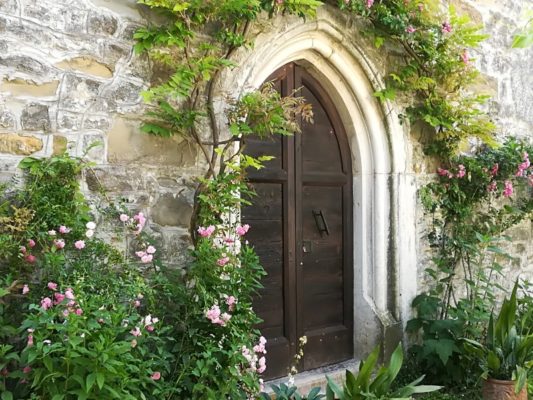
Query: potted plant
pixel 505 355
pixel 367 385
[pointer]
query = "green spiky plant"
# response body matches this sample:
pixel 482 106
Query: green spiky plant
pixel 507 352
pixel 379 386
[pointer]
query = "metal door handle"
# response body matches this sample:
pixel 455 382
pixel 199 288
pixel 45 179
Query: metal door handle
pixel 321 223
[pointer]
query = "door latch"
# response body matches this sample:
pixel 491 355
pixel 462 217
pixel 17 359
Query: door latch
pixel 320 222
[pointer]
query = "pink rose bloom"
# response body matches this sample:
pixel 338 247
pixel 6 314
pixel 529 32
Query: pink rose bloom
pixel 64 229
pixel 261 365
pixel 462 171
pixel 213 314
pixel 52 286
pixel 410 29
pixel 80 244
pixel 31 243
pixel 69 294
pixel 156 376
pixel 52 232
pixel 492 187
pixel 136 332
pixel 147 258
pixel 65 313
pixel 26 369
pixel 136 304
pixel 46 303
pixel 140 254
pixel 206 232
pixel 465 57
pixel 59 243
pixel 222 261
pixel 150 328
pixel 30 258
pixel 231 301
pixel 242 230
pixel 30 340
pixel 446 27
pixel 225 317
pixel 58 298
pixel 22 249
pixel 369 3
pixel 151 250
pixel 508 190
pixel 124 218
pixel 25 289
pixel 78 311
pixel 494 169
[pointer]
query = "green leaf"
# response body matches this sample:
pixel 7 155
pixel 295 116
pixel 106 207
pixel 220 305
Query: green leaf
pixel 100 380
pixel 7 395
pixel 91 378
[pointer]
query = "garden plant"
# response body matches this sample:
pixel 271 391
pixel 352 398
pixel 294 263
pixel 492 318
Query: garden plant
pixel 89 310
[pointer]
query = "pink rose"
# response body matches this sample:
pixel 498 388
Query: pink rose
pixel 30 258
pixel 46 303
pixel 69 294
pixel 156 376
pixel 136 332
pixel 242 230
pixel 124 218
pixel 58 298
pixel 30 340
pixel 261 365
pixel 31 243
pixel 52 286
pixel 78 311
pixel 59 243
pixel 206 232
pixel 151 250
pixel 410 29
pixel 64 229
pixel 80 244
pixel 136 304
pixel 25 289
pixel 26 369
pixel 222 261
pixel 465 57
pixel 147 258
pixel 446 27
pixel 150 328
pixel 508 190
pixel 22 249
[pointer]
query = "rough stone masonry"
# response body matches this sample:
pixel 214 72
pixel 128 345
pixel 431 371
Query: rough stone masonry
pixel 69 79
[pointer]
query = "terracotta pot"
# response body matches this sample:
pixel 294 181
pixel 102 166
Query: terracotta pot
pixel 494 389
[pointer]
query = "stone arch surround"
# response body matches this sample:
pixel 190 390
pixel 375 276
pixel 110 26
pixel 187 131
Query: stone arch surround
pixel 385 273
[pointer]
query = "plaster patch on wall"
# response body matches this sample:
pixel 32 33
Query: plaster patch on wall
pixel 87 65
pixel 21 87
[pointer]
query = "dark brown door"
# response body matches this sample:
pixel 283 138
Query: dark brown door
pixel 301 225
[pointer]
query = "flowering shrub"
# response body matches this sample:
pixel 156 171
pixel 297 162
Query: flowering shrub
pixel 475 200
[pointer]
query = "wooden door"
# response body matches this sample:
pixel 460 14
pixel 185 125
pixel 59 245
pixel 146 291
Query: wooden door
pixel 301 225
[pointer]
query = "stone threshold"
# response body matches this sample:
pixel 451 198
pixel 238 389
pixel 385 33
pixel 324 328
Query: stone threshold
pixel 305 381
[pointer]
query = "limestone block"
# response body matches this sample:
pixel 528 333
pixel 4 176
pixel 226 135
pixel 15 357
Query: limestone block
pixel 60 145
pixel 87 65
pixel 102 24
pixel 7 119
pixel 127 144
pixel 35 117
pixel 96 122
pixel 25 64
pixel 21 87
pixel 124 92
pixel 110 180
pixel 9 6
pixel 68 120
pixel 78 93
pixel 19 145
pixel 93 146
pixel 172 210
pixel 113 53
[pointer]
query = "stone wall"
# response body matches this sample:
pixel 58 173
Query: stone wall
pixel 69 78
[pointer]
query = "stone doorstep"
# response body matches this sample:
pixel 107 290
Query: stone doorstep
pixel 305 381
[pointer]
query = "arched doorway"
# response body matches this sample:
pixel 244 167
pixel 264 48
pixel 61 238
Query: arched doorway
pixel 302 232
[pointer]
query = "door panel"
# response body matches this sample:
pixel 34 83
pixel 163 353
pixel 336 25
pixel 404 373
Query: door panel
pixel 301 229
